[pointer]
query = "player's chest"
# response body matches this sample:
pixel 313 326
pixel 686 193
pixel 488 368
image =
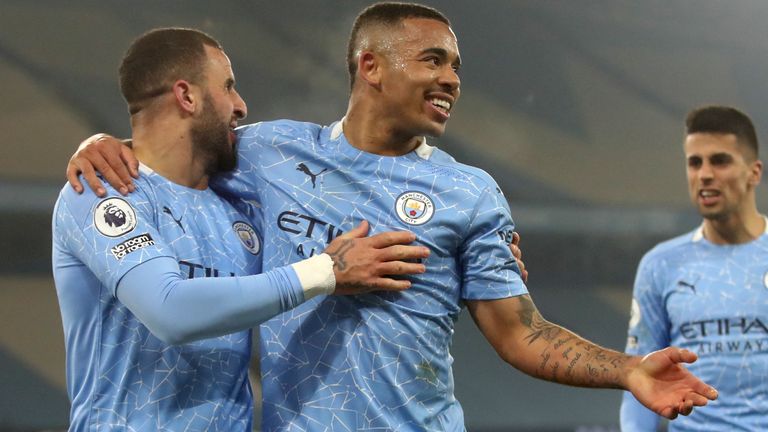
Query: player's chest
pixel 209 241
pixel 726 290
pixel 439 217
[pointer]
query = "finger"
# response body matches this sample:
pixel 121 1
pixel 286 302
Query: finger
pixel 387 284
pixel 679 355
pixel 401 252
pixel 697 399
pixel 516 252
pixel 705 390
pixel 94 182
pixel 73 177
pixel 357 232
pixel 669 413
pixel 399 268
pixel 391 238
pixel 515 238
pixel 524 275
pixel 686 407
pixel 115 161
pixel 126 154
pixel 103 166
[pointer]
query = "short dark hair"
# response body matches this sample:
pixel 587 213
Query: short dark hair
pixel 388 14
pixel 156 59
pixel 717 119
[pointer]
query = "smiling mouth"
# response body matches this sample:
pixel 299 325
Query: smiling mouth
pixel 441 105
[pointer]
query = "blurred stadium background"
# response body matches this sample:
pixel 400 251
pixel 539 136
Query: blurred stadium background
pixel 575 107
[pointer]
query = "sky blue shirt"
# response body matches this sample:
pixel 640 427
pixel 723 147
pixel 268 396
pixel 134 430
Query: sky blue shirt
pixel 144 284
pixel 713 300
pixel 377 361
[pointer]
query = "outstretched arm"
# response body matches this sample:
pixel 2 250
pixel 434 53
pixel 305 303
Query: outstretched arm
pixel 524 339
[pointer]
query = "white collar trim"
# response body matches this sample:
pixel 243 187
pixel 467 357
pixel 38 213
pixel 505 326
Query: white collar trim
pixel 423 150
pixel 699 234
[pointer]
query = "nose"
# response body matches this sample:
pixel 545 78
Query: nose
pixel 240 109
pixel 449 79
pixel 705 172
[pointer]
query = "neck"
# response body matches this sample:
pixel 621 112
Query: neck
pixel 165 146
pixel 369 131
pixel 735 230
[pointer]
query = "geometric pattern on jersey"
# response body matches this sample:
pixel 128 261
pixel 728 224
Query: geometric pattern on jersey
pixel 713 300
pixel 119 375
pixel 378 361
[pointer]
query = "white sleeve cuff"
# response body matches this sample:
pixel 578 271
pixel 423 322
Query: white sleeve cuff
pixel 316 275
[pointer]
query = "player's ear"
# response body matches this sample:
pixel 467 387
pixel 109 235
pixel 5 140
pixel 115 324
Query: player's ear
pixel 369 68
pixel 185 96
pixel 756 173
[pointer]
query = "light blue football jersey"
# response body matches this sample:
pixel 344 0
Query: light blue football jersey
pixel 119 375
pixel 712 300
pixel 376 361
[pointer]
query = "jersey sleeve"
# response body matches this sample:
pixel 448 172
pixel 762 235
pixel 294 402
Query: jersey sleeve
pixel 648 331
pixel 110 235
pixel 635 417
pixel 489 270
pixel 648 324
pixel 180 311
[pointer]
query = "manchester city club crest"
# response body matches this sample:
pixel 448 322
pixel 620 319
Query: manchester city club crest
pixel 114 217
pixel 247 236
pixel 414 208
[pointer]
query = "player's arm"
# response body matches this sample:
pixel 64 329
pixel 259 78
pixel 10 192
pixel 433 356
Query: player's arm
pixel 524 339
pixel 180 310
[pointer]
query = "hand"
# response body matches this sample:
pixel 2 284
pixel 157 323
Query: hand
pixel 362 264
pixel 518 254
pixel 107 155
pixel 664 385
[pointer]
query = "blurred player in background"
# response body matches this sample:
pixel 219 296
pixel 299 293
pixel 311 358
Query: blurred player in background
pixel 707 290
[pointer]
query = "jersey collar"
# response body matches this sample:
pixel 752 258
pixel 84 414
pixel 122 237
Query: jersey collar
pixel 698 235
pixel 423 150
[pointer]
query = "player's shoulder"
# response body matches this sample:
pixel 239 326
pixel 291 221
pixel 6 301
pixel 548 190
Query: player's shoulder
pixel 285 128
pixel 84 203
pixel 443 161
pixel 672 248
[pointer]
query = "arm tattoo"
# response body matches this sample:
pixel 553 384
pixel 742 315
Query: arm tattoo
pixel 540 328
pixel 586 364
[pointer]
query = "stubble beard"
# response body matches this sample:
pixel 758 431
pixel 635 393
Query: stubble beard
pixel 210 141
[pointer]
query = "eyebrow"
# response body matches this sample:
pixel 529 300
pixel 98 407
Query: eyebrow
pixel 443 53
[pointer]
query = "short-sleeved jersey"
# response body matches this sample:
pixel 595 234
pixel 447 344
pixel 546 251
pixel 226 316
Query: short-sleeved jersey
pixel 377 361
pixel 119 375
pixel 712 300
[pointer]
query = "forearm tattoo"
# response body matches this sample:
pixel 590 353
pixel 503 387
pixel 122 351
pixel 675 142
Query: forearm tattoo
pixel 565 357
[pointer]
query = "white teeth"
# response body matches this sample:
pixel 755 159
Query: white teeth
pixel 444 104
pixel 708 193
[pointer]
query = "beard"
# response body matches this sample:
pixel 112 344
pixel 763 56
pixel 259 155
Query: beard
pixel 210 140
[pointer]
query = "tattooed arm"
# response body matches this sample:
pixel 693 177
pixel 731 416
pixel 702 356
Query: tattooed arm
pixel 524 339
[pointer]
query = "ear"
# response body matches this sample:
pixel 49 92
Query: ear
pixel 756 173
pixel 369 67
pixel 186 98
